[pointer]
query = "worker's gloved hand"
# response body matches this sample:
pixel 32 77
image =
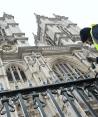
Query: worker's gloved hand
pixel 91 59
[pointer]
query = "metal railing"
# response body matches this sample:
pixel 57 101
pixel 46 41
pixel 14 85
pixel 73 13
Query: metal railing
pixel 8 98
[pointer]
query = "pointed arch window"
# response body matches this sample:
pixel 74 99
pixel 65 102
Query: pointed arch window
pixel 67 72
pixel 15 73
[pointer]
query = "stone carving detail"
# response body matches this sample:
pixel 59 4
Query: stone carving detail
pixel 8 48
pixel 31 60
pixel 11 41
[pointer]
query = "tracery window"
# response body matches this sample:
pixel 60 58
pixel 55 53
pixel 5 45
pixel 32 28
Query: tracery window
pixel 67 72
pixel 50 41
pixel 15 73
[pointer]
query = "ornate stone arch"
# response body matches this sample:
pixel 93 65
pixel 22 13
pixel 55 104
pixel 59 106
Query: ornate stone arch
pixel 68 67
pixel 16 64
pixel 70 60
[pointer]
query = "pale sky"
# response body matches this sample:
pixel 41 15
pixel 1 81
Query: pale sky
pixel 82 12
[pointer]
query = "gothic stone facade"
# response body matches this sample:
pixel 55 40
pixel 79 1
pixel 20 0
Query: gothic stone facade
pixel 50 79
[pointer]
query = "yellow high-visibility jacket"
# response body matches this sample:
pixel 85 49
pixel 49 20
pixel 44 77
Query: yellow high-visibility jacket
pixel 94 35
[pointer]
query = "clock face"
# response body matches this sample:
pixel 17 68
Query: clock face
pixel 8 48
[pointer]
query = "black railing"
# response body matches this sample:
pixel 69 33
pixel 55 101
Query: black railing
pixel 9 99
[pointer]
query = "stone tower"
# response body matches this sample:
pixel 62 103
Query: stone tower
pixel 50 79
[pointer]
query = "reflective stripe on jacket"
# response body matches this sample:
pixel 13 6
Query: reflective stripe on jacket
pixel 94 35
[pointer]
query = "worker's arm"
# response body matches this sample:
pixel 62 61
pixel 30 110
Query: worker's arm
pixel 91 59
pixel 97 60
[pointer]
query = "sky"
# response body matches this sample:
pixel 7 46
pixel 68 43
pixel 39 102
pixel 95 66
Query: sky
pixel 82 12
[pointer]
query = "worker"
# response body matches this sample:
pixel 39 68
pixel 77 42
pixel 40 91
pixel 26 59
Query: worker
pixel 90 36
